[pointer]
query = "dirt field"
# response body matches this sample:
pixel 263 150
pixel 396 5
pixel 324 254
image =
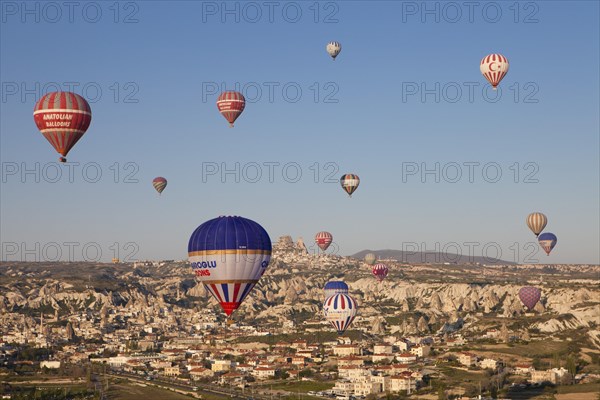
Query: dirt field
pixel 577 396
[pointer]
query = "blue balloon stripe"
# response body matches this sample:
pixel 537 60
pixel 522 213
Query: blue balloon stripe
pixel 229 233
pixel 247 288
pixel 225 288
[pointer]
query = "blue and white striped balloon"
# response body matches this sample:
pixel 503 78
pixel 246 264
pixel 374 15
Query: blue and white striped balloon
pixel 340 310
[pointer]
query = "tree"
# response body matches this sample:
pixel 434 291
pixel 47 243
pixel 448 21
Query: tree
pixel 538 364
pixel 494 392
pixel 89 376
pixel 556 361
pixel 571 365
pixel 442 393
pixel 240 359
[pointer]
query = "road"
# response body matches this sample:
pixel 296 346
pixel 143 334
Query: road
pixel 187 388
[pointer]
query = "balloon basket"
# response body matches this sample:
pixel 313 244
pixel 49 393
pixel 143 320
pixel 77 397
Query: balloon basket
pixel 62 160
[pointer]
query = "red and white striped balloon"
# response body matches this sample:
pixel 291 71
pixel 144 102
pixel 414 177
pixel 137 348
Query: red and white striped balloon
pixel 63 118
pixel 380 271
pixel 494 67
pixel 323 240
pixel 231 105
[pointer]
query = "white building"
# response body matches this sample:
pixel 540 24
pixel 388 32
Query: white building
pixel 221 365
pixel 343 388
pixel 346 350
pixel 406 358
pixel 263 372
pixel 364 387
pixel 402 345
pixel 489 363
pixel 381 357
pixel 467 359
pixel 382 348
pixel 398 383
pixel 50 364
pixel 420 350
pixel 381 383
pixel 351 372
pixel 117 361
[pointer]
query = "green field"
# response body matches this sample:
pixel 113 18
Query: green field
pixel 44 391
pixel 124 391
pixel 542 349
pixel 458 375
pixel 584 388
pixel 303 386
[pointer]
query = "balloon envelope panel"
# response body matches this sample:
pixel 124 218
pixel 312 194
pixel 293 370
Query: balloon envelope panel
pixel 340 310
pixel 63 118
pixel 536 222
pixel 159 184
pixel 547 241
pixel 229 255
pixel 335 287
pixel 494 67
pixel 350 183
pixel 380 271
pixel 231 105
pixel 529 296
pixel 370 258
pixel 323 240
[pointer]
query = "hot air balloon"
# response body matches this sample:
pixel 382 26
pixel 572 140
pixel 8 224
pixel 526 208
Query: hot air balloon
pixel 349 183
pixel 529 296
pixel 159 184
pixel 340 310
pixel 323 240
pixel 380 271
pixel 370 258
pixel 229 255
pixel 63 118
pixel 231 105
pixel 335 287
pixel 547 240
pixel 536 222
pixel 494 67
pixel 333 49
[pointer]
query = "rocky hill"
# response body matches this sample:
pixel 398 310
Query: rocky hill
pixel 415 298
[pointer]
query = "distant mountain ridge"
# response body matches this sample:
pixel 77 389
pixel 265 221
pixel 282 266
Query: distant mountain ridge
pixel 430 257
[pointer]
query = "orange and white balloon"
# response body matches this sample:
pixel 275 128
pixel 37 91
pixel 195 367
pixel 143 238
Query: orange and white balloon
pixel 536 222
pixel 159 184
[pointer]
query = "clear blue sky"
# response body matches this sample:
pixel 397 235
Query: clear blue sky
pixel 177 49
